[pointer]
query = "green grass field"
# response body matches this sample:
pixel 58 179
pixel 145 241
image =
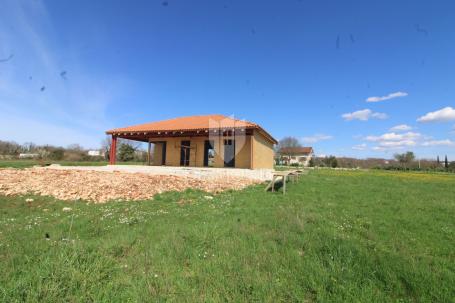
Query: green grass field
pixel 351 236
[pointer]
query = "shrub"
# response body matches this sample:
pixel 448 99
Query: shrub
pixel 126 152
pixel 56 153
pixel 331 161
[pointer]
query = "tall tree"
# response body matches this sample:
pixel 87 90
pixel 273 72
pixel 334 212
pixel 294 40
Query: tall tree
pixel 106 146
pixel 446 163
pixel 437 160
pixel 288 142
pixel 405 158
pixel 284 147
pixel 331 161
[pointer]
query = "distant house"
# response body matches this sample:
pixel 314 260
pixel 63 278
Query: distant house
pixel 296 155
pixel 28 156
pixel 94 153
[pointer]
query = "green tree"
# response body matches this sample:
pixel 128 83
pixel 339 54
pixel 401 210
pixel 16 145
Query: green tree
pixel 126 152
pixel 446 163
pixel 405 158
pixel 331 161
pixel 312 162
pixel 56 153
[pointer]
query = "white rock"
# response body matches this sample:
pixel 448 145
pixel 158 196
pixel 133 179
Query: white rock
pixel 208 197
pixel 66 209
pixel 29 200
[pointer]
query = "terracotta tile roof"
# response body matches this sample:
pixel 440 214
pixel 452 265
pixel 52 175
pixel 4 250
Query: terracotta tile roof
pixel 192 123
pixel 296 150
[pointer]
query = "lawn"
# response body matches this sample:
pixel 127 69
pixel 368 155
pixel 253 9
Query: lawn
pixel 338 236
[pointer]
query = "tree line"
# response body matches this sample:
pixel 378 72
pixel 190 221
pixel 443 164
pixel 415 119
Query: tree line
pixel 400 161
pixel 127 151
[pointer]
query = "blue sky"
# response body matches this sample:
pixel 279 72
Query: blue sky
pixel 71 70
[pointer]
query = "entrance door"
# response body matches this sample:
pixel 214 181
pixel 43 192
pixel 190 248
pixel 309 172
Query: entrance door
pixel 185 153
pixel 209 153
pixel 229 153
pixel 163 157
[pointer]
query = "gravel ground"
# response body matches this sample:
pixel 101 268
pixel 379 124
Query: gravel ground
pixel 187 171
pixel 99 187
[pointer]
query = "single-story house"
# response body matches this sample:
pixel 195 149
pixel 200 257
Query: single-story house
pixel 296 155
pixel 202 141
pixel 28 156
pixel 94 153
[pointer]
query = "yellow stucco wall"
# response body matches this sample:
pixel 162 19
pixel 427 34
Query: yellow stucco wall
pixel 262 152
pixel 173 150
pixel 157 154
pixel 242 149
pixel 254 151
pixel 243 153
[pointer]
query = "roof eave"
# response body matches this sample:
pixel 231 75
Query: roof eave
pixel 119 131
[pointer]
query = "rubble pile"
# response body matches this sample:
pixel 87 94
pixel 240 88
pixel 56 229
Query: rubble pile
pixel 99 187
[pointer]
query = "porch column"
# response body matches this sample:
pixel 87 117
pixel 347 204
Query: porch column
pixel 148 153
pixel 113 150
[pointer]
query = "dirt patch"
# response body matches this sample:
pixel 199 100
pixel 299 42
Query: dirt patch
pixel 100 187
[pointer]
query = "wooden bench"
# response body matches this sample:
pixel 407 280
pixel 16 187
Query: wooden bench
pixel 292 175
pixel 296 173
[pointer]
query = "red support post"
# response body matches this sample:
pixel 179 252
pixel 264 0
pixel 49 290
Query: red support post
pixel 113 150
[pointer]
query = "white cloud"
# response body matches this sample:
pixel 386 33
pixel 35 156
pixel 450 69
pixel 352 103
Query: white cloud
pixel 401 128
pixel 316 138
pixel 363 115
pixel 394 145
pixel 400 143
pixel 392 140
pixel 446 142
pixel 442 115
pixel 394 137
pixel 388 97
pixel 377 148
pixel 362 146
pixel 395 141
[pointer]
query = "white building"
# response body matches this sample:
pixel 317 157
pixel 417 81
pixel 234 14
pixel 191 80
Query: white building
pixel 296 155
pixel 94 153
pixel 28 156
